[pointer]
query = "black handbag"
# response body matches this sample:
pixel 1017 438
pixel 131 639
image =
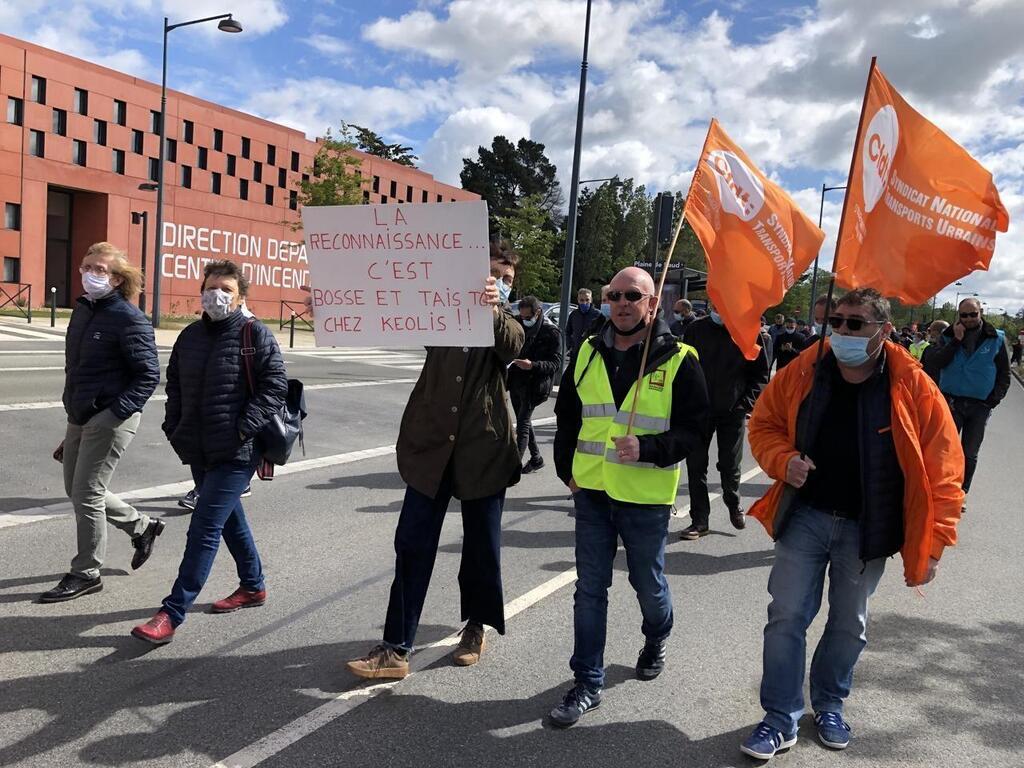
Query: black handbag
pixel 277 437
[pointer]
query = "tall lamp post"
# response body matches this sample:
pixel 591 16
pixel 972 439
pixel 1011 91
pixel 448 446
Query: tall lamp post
pixel 574 189
pixel 227 24
pixel 814 275
pixel 142 217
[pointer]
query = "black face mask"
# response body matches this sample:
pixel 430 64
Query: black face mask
pixel 639 326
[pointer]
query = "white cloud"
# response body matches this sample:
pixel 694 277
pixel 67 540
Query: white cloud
pixel 328 45
pixel 460 135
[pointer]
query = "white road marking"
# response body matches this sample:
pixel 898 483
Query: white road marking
pixel 26 334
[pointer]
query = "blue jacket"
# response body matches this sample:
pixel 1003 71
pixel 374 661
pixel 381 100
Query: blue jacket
pixel 982 375
pixel 211 417
pixel 110 359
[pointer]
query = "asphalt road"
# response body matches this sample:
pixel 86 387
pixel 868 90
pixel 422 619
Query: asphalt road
pixel 941 682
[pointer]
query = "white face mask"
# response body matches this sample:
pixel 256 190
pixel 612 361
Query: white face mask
pixel 96 286
pixel 504 291
pixel 216 303
pixel 529 322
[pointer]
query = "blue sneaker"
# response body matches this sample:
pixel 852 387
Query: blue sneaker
pixel 765 741
pixel 833 731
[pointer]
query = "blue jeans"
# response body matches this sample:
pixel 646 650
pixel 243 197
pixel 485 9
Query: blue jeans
pixel 600 522
pixel 218 512
pixel 811 542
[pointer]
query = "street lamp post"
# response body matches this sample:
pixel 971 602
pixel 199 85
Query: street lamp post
pixel 814 275
pixel 570 235
pixel 142 217
pixel 227 24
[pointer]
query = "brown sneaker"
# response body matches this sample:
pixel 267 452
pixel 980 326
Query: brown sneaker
pixel 381 661
pixel 471 646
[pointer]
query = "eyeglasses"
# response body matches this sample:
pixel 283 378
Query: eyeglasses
pixel 631 296
pixel 95 269
pixel 966 315
pixel 853 323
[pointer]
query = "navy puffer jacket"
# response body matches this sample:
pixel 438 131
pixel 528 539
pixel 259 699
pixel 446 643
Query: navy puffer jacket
pixel 211 416
pixel 110 359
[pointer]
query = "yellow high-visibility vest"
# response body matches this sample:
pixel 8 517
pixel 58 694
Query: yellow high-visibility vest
pixel 595 464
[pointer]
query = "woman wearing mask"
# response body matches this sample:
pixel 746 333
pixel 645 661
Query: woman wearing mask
pixel 111 370
pixel 211 419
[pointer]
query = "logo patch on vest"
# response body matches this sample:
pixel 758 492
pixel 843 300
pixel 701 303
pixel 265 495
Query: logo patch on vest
pixel 657 380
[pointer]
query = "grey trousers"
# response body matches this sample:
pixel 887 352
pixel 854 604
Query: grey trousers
pixel 91 453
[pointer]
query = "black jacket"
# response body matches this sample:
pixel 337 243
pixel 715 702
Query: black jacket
pixel 733 382
pixel 947 350
pixel 689 419
pixel 580 325
pixel 211 416
pixel 679 327
pixel 543 347
pixel 784 356
pixel 110 359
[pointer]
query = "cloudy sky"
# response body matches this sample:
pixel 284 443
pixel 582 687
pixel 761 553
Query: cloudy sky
pixel 785 79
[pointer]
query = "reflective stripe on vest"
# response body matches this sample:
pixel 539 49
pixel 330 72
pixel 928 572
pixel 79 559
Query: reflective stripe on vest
pixel 596 464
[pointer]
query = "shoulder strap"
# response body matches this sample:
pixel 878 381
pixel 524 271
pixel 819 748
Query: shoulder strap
pixel 248 350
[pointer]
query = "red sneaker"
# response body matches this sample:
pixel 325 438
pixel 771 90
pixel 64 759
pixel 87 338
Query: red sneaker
pixel 240 598
pixel 158 630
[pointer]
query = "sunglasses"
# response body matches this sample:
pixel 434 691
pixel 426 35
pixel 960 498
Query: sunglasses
pixel 966 315
pixel 853 323
pixel 631 296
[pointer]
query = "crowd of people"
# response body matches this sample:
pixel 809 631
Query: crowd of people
pixel 872 450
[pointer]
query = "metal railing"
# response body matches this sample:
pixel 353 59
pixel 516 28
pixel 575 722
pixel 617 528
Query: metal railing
pixel 296 308
pixel 9 297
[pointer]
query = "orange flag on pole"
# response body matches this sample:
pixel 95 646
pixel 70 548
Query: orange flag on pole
pixel 920 212
pixel 757 241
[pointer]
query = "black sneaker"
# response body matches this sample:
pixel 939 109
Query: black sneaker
pixel 247 492
pixel 189 500
pixel 737 519
pixel 651 660
pixel 70 587
pixel 533 465
pixel 143 543
pixel 693 532
pixel 579 700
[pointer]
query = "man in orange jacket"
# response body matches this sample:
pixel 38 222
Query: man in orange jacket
pixel 868 465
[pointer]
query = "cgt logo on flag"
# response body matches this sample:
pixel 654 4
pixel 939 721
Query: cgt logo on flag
pixel 883 137
pixel 739 189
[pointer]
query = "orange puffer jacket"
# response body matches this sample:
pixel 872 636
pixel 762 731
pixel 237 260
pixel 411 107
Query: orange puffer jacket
pixel 927 447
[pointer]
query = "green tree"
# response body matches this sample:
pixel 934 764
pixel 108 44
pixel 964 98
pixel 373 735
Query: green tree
pixel 613 231
pixel 506 173
pixel 525 229
pixel 333 179
pixel 371 143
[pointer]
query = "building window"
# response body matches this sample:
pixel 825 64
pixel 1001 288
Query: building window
pixel 15 111
pixel 231 165
pixel 257 171
pixel 218 140
pixel 154 121
pixel 295 162
pixel 117 161
pixel 317 166
pixel 78 152
pixel 271 154
pixel 268 195
pixel 38 89
pixel 120 112
pixel 215 183
pixel 12 269
pixel 293 200
pixel 201 157
pixel 243 189
pixel 80 101
pixel 99 132
pixel 408 194
pixel 282 178
pixel 366 197
pixel 12 216
pixel 154 169
pixel 440 199
pixel 394 189
pixel 376 184
pixel 186 177
pixel 424 196
pixel 305 178
pixel 188 130
pixel 36 143
pixel 60 122
pixel 138 142
pixel 171 151
pixel 246 147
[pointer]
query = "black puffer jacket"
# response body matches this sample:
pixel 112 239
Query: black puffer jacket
pixel 211 417
pixel 543 347
pixel 733 382
pixel 110 359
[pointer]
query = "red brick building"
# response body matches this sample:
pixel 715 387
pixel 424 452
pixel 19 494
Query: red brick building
pixel 77 140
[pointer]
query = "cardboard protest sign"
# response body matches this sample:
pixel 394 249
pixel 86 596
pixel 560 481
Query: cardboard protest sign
pixel 399 275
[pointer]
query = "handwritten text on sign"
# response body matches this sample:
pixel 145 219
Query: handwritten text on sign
pixel 399 275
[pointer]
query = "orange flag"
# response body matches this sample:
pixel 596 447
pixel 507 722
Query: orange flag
pixel 757 241
pixel 920 212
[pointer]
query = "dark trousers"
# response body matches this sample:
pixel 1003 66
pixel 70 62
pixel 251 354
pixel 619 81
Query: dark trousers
pixel 970 416
pixel 523 406
pixel 600 522
pixel 218 513
pixel 416 539
pixel 729 428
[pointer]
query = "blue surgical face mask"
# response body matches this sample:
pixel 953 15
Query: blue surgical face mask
pixel 817 329
pixel 584 306
pixel 529 323
pixel 606 310
pixel 851 351
pixel 504 291
pixel 716 318
pixel 678 316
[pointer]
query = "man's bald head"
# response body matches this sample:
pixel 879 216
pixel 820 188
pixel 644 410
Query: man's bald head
pixel 634 277
pixel 633 302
